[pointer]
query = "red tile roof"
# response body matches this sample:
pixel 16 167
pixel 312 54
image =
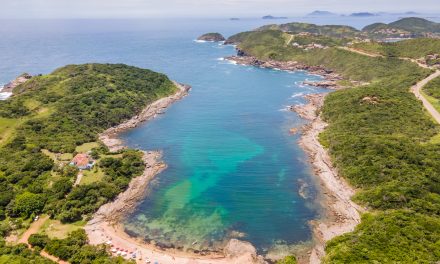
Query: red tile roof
pixel 81 160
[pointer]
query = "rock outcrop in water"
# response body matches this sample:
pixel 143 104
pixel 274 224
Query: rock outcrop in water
pixel 215 37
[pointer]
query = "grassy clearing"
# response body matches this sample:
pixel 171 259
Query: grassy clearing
pixel 92 176
pixel 86 147
pixel 7 128
pixel 58 157
pixel 55 229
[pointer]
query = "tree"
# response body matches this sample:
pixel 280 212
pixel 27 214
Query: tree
pixel 38 240
pixel 28 203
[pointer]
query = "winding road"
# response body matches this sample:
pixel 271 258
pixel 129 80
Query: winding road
pixel 416 89
pixel 428 106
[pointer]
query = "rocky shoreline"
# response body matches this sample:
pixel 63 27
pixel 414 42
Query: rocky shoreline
pixel 331 78
pixel 9 87
pixel 341 213
pixel 110 136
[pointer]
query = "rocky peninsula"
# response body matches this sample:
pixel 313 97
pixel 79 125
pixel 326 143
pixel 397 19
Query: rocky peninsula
pixel 9 87
pixel 331 78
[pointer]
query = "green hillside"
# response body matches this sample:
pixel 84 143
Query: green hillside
pixel 413 26
pixel 51 117
pixel 412 48
pixel 326 30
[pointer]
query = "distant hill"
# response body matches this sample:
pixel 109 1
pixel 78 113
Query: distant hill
pixel 404 28
pixel 416 24
pixel 362 14
pixel 412 25
pixel 273 17
pixel 375 27
pixel 326 30
pixel 321 13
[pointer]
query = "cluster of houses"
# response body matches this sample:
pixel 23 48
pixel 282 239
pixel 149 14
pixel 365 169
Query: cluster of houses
pixel 309 46
pixel 433 60
pixel 83 161
pixel 393 32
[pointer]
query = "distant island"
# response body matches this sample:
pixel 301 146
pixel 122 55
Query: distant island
pixel 234 18
pixel 321 13
pixel 273 17
pixel 214 37
pixel 362 14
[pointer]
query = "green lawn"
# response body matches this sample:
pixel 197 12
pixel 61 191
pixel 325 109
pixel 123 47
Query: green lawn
pixel 55 229
pixel 86 147
pixel 91 176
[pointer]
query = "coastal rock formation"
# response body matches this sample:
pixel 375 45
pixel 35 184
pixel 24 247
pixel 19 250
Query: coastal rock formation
pixel 331 78
pixel 342 214
pixel 325 84
pixel 214 37
pixel 19 80
pixel 242 252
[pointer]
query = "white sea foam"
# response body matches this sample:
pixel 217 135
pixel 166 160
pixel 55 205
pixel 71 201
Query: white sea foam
pixel 4 95
pixel 220 59
pixel 297 95
pixel 200 41
pixel 286 108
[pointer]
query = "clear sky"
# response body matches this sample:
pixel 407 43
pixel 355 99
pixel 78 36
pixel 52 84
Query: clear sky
pixel 200 8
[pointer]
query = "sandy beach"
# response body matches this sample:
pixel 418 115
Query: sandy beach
pixel 105 226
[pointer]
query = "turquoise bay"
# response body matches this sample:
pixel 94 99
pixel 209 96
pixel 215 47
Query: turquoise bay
pixel 234 169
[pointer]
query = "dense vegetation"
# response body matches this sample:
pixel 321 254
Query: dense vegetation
pixel 271 44
pixel 433 88
pixel 287 260
pixel 414 25
pixel 413 48
pixel 411 26
pixel 326 30
pixel 52 115
pixel 380 139
pixel 74 248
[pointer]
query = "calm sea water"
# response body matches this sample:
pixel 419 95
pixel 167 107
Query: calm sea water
pixel 233 169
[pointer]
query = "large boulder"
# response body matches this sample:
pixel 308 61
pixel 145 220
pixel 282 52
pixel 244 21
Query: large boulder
pixel 242 252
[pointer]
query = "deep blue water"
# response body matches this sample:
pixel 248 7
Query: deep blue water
pixel 232 165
